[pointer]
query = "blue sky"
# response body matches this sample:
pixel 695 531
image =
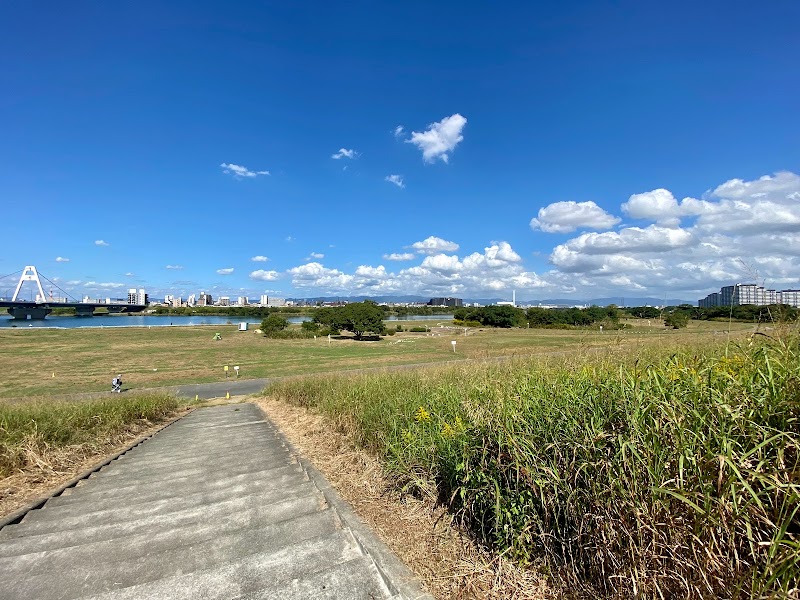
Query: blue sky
pixel 578 149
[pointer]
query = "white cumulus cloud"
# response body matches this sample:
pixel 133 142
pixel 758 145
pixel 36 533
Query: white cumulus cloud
pixel 440 138
pixel 262 275
pixel 226 271
pixel 238 171
pixel 739 231
pixel 395 179
pixel 101 243
pixel 434 245
pixel 259 258
pixel 314 274
pixel 566 217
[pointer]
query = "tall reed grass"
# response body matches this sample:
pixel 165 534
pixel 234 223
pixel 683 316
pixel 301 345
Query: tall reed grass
pixel 31 432
pixel 670 473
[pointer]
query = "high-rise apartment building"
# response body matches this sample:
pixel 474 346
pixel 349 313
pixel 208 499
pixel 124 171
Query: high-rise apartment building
pixel 452 302
pixel 749 293
pixel 137 296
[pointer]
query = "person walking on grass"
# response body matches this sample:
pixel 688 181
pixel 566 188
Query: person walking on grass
pixel 116 384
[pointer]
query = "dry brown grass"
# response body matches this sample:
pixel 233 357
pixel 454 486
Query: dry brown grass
pixel 450 564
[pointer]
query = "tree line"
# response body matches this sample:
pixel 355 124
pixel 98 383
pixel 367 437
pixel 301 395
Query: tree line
pixel 510 316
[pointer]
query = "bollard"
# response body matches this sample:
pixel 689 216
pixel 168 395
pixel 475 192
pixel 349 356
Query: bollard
pixel 227 395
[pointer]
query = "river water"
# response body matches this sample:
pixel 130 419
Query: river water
pixel 167 320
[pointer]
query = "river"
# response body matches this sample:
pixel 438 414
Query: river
pixel 68 322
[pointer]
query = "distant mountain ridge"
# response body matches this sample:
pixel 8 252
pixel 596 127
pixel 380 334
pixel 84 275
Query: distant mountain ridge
pixel 618 300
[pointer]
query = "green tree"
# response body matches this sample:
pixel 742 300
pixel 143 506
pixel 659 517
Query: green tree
pixel 357 317
pixel 273 323
pixel 363 317
pixel 677 319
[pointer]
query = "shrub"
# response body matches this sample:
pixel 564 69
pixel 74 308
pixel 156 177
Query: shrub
pixel 309 326
pixel 273 323
pixel 291 334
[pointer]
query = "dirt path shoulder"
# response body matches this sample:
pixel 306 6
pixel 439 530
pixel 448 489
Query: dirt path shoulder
pixel 449 564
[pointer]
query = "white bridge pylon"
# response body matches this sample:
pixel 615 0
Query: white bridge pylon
pixel 29 274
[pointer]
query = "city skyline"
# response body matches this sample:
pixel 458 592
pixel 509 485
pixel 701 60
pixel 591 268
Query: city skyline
pixel 430 150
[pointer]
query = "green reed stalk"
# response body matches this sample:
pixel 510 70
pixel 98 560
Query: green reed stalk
pixel 667 473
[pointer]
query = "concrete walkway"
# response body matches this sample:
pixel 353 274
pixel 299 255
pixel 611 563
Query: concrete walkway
pixel 217 505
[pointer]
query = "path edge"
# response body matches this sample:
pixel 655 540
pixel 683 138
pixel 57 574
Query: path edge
pixel 395 574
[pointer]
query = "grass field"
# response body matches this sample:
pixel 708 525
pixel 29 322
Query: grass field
pixel 662 471
pixel 42 362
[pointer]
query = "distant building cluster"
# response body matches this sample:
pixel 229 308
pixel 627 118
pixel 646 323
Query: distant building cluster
pixel 204 299
pixel 749 293
pixel 451 302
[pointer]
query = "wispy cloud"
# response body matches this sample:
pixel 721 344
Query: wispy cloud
pixel 399 256
pixel 395 179
pixel 289 238
pixel 174 267
pixel 259 258
pixel 344 153
pixel 61 259
pixel 315 255
pixel 101 243
pixel 226 271
pixel 104 285
pixel 399 131
pixel 262 275
pixel 239 171
pixel 130 274
pixel 440 138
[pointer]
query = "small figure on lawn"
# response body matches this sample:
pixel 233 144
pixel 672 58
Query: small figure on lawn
pixel 116 384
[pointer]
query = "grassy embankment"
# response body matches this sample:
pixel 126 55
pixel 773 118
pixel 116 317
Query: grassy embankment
pixel 54 435
pixel 44 362
pixel 654 473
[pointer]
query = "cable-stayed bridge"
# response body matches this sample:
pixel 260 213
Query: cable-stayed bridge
pixel 44 304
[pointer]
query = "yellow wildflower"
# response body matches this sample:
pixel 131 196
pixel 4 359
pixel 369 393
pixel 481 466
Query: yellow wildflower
pixel 422 415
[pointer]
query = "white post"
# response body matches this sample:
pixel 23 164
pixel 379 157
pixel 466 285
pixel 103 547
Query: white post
pixel 454 346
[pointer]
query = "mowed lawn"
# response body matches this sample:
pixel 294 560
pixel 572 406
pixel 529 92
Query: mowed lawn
pixel 41 362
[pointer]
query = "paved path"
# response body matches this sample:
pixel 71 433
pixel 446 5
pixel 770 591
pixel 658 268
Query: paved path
pixel 215 506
